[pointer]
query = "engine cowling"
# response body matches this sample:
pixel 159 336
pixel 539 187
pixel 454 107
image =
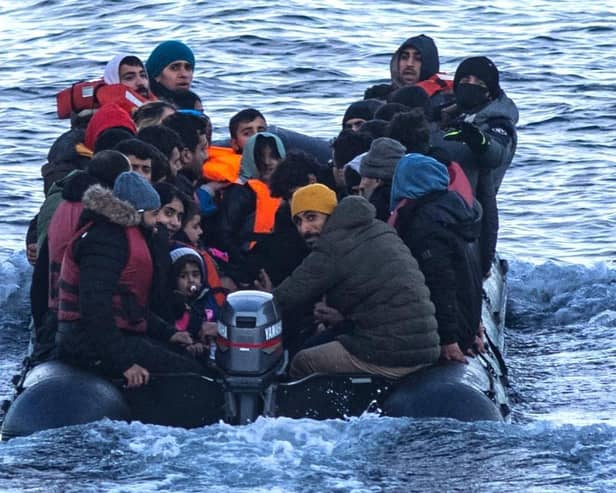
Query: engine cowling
pixel 249 338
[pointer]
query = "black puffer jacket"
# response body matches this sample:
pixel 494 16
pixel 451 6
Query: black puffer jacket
pixel 370 276
pixel 442 232
pixel 101 256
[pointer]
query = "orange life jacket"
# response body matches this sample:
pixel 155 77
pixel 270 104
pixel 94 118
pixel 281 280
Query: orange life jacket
pixel 265 212
pixel 435 84
pixel 222 164
pixel 130 295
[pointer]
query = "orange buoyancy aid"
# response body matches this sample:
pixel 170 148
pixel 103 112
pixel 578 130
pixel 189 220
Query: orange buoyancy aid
pixel 84 150
pixel 213 279
pixel 130 295
pixel 60 232
pixel 222 164
pixel 265 213
pixel 435 84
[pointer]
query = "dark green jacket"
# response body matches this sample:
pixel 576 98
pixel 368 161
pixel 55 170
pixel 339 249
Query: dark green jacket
pixel 370 276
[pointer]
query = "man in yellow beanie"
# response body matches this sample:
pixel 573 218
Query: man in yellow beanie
pixel 369 276
pixel 311 206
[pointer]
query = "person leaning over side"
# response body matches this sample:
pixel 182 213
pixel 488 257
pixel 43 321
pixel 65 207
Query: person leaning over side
pixel 370 277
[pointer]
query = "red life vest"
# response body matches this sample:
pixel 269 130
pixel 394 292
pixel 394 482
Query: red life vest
pixel 131 291
pixel 435 84
pixel 92 94
pixel 458 182
pixel 265 213
pixel 61 230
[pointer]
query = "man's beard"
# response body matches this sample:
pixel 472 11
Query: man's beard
pixel 311 239
pixel 143 91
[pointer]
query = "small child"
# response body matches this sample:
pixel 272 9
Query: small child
pixel 194 302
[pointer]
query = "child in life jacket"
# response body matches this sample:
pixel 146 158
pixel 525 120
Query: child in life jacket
pixel 194 304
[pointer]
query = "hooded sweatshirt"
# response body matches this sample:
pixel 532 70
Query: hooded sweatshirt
pixel 248 165
pixel 429 59
pixel 111 75
pixel 108 116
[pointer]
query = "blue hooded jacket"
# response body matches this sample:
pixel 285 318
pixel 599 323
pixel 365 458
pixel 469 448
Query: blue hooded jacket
pixel 417 175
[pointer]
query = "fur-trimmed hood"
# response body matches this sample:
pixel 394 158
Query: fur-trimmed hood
pixel 101 200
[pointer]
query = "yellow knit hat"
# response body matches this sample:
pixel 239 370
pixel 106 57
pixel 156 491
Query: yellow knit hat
pixel 315 197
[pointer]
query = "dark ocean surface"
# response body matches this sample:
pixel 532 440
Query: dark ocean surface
pixel 302 63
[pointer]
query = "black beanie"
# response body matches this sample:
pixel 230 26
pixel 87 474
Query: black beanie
pixel 483 68
pixel 107 165
pixel 364 109
pixel 412 97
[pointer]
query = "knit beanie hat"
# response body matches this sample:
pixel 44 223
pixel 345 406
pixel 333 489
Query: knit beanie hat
pixel 417 175
pixel 135 189
pixel 111 75
pixel 483 68
pixel 182 255
pixel 316 197
pixel 380 161
pixel 108 116
pixel 165 53
pixel 363 109
pixel 107 165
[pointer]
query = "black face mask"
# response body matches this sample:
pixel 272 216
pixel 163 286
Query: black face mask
pixel 470 96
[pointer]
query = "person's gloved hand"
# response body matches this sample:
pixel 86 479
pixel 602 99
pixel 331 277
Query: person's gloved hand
pixel 471 135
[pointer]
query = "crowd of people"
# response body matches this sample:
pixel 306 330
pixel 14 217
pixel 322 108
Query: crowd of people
pixel 375 258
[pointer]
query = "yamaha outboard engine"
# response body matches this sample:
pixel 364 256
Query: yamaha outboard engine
pixel 250 353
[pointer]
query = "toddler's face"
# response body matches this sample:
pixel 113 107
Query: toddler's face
pixel 193 229
pixel 189 279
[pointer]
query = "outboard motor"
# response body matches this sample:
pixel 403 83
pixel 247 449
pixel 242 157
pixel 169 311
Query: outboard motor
pixel 250 353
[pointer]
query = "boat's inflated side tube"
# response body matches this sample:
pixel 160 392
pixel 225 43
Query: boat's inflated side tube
pixel 58 395
pixel 319 148
pixel 441 392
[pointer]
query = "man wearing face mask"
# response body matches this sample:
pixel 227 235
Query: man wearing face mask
pixel 483 139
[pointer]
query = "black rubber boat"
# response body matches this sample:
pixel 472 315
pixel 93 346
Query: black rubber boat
pixel 53 394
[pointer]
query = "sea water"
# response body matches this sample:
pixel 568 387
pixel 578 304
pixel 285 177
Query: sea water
pixel 301 64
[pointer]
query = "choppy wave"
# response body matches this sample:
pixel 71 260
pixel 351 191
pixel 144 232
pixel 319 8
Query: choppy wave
pixel 362 454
